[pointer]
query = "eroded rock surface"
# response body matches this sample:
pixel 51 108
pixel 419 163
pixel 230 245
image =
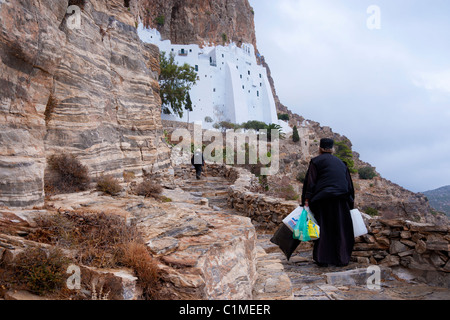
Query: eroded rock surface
pixel 90 91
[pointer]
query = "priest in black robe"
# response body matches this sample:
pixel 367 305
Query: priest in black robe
pixel 328 191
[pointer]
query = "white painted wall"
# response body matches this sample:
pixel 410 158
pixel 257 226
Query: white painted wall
pixel 231 86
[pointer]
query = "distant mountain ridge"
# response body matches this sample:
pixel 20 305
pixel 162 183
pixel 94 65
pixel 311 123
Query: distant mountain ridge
pixel 440 199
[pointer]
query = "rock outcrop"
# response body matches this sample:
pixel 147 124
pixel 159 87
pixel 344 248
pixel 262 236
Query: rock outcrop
pixel 201 253
pixel 200 22
pixel 387 198
pixel 90 91
pixel 30 39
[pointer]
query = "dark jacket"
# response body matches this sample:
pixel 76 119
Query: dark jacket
pixel 198 159
pixel 327 177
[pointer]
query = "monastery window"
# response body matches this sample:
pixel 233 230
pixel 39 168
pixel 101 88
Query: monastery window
pixel 241 76
pixel 243 87
pixel 196 67
pixel 248 72
pixel 214 90
pixel 257 93
pixel 260 75
pixel 223 56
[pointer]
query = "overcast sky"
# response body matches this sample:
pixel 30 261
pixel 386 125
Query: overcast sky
pixel 387 89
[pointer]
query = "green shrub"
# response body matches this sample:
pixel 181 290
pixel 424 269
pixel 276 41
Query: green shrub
pixel 371 211
pixel 224 38
pixel 366 173
pixel 344 152
pixel 225 125
pixel 283 116
pixel 160 20
pixel 254 124
pixel 271 127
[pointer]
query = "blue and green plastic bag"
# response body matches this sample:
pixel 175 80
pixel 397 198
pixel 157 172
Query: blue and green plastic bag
pixel 306 229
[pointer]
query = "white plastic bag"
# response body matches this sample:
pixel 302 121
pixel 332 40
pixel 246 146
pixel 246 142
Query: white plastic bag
pixel 359 227
pixel 291 220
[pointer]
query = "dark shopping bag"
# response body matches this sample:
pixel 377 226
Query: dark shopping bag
pixel 284 238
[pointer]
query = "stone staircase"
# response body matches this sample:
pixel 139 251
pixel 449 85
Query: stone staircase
pixel 272 283
pixel 300 278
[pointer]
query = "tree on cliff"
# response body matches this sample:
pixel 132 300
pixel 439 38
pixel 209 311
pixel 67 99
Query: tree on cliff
pixel 175 82
pixel 344 152
pixel 295 135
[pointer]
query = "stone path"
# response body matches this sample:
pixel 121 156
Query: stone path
pixel 300 278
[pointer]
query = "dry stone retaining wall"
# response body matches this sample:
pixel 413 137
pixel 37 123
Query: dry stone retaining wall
pixel 266 212
pixel 396 243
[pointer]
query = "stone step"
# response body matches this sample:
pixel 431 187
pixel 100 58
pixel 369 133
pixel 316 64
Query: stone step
pixel 300 278
pixel 273 283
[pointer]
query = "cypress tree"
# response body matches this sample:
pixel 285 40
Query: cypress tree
pixel 295 136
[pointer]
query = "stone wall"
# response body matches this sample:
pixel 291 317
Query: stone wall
pixel 398 243
pixel 264 211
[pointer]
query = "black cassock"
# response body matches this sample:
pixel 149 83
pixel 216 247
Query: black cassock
pixel 329 188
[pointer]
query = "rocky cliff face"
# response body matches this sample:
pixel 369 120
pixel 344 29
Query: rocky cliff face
pixel 199 22
pixel 87 91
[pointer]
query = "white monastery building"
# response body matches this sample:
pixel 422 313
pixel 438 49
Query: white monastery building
pixel 230 86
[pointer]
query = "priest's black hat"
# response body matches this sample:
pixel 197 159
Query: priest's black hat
pixel 326 143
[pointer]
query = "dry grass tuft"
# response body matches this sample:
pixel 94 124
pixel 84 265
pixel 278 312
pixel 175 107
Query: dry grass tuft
pixel 102 241
pixel 40 271
pixel 109 185
pixel 149 189
pixel 66 175
pixel 137 257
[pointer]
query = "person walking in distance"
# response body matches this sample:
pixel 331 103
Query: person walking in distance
pixel 328 191
pixel 198 161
